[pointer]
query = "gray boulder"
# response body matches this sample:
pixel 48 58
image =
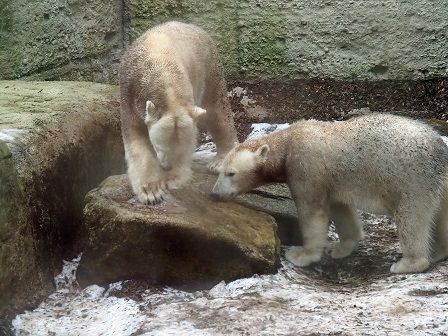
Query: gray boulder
pixel 189 240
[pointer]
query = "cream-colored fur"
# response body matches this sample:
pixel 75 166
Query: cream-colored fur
pixel 171 78
pixel 379 163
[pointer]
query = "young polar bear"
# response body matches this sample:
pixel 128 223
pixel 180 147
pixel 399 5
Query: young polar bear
pixel 170 78
pixel 379 163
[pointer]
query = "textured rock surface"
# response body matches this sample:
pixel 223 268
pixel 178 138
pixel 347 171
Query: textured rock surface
pixel 273 199
pixel 82 39
pixel 60 40
pixel 57 141
pixel 189 240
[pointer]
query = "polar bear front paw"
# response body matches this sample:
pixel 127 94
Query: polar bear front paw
pixel 302 257
pixel 176 178
pixel 216 164
pixel 410 265
pixel 151 193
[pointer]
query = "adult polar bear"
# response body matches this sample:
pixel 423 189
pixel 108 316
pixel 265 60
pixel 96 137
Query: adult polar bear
pixel 379 163
pixel 170 78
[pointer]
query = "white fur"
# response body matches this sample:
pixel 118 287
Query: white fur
pixel 171 78
pixel 379 163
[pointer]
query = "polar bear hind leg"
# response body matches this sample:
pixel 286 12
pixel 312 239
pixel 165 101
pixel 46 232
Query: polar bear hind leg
pixel 440 243
pixel 219 121
pixel 224 136
pixel 349 229
pixel 414 226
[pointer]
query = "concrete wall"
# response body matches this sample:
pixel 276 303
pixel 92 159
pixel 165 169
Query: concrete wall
pixel 343 39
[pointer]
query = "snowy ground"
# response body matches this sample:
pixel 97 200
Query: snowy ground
pixel 8 135
pixel 353 296
pixel 290 302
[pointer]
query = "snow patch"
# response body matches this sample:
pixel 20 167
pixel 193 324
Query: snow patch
pixel 445 138
pixel 241 93
pixel 285 303
pixel 262 129
pixel 87 312
pixel 8 135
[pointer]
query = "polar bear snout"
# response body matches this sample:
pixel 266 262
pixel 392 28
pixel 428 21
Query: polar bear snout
pixel 223 189
pixel 220 196
pixel 166 167
pixel 164 162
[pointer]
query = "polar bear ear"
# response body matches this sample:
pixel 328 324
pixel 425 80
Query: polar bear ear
pixel 197 112
pixel 150 111
pixel 262 151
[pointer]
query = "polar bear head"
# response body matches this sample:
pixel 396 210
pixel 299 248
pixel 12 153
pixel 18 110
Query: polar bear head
pixel 173 136
pixel 241 170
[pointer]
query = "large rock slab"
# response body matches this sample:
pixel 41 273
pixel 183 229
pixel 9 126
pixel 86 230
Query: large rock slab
pixel 189 240
pixel 58 140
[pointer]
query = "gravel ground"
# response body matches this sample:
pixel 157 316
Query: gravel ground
pixel 286 101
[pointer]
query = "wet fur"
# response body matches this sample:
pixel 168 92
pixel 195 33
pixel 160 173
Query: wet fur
pixel 171 78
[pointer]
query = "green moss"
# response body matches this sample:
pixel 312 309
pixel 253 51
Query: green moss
pixel 9 56
pixel 5 16
pixel 226 34
pixel 150 13
pixel 5 153
pixel 163 8
pixel 263 49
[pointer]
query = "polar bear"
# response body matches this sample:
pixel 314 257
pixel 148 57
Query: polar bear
pixel 170 78
pixel 380 163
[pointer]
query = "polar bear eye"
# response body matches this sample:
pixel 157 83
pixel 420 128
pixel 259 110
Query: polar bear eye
pixel 230 174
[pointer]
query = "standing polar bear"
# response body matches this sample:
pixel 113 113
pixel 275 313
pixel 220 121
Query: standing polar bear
pixel 380 163
pixel 170 78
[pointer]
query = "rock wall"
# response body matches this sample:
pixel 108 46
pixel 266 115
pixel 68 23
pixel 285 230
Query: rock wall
pixel 83 39
pixel 58 140
pixel 60 39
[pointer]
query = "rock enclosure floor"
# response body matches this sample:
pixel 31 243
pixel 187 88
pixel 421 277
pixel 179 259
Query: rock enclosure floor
pixel 353 296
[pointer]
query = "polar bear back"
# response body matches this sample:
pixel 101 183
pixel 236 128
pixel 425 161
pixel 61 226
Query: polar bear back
pixel 176 55
pixel 373 158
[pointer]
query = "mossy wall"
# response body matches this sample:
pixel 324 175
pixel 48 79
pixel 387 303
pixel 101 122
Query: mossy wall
pixel 342 39
pixel 60 39
pixel 218 17
pixel 58 140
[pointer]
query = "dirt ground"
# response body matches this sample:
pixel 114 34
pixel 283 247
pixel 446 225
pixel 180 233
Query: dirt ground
pixel 327 99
